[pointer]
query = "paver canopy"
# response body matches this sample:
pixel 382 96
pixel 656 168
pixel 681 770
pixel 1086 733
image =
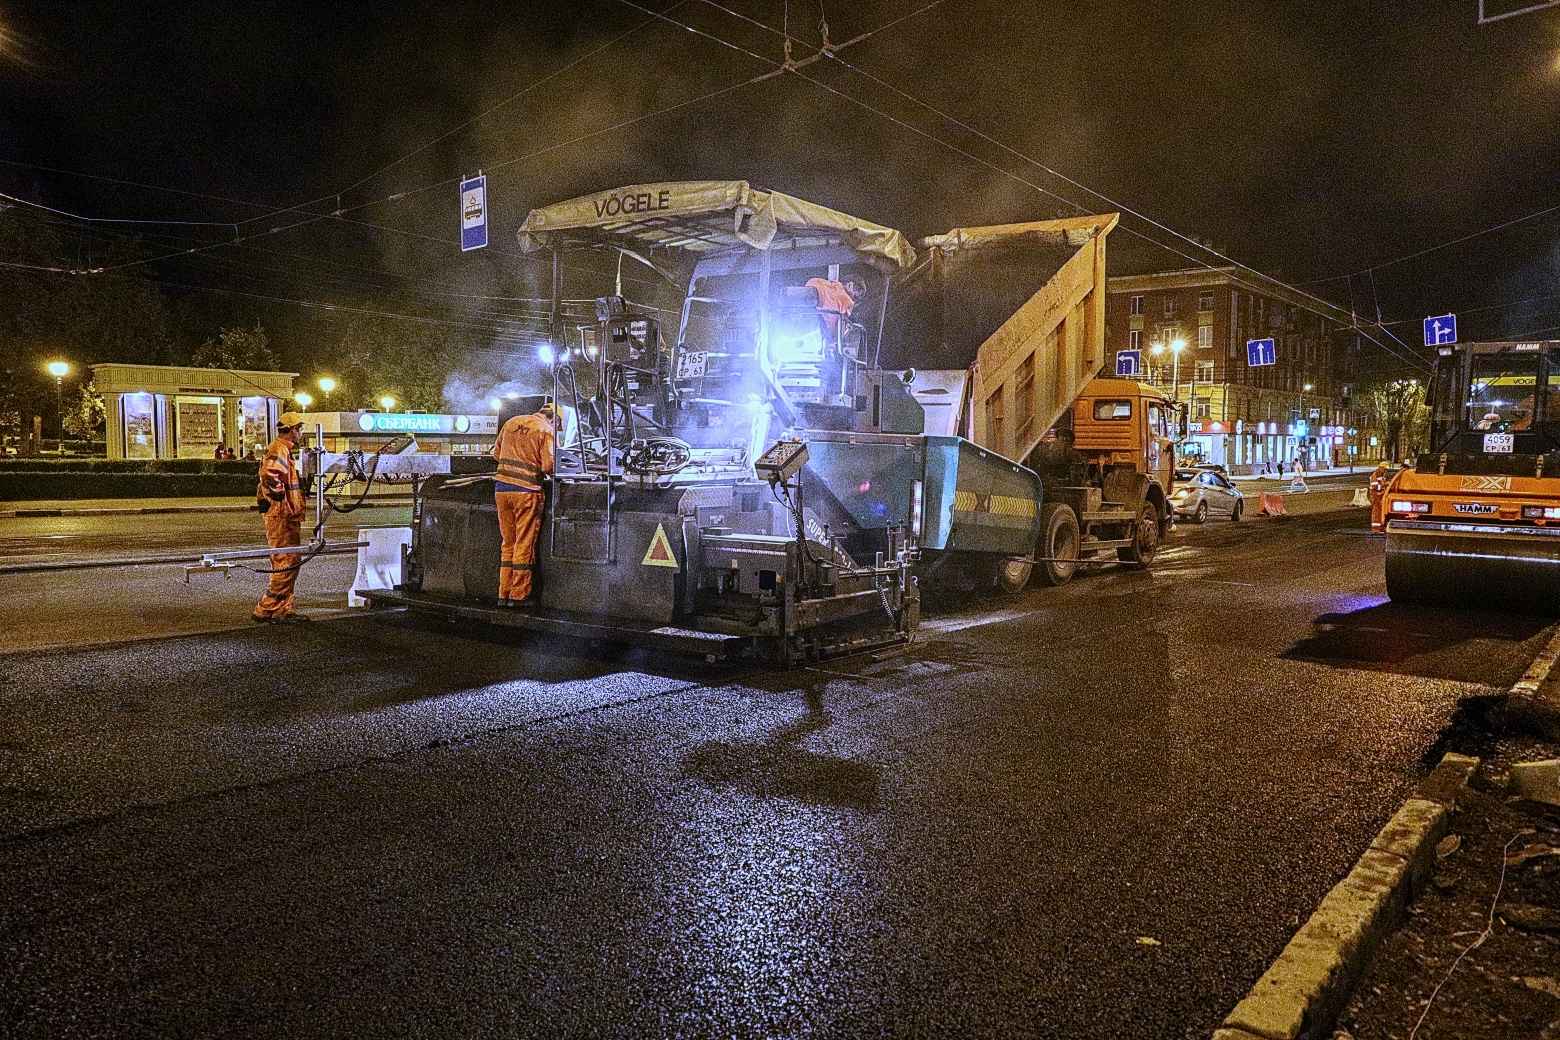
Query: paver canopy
pixel 711 216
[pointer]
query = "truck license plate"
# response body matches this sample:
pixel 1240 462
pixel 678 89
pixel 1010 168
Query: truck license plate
pixel 1498 443
pixel 691 364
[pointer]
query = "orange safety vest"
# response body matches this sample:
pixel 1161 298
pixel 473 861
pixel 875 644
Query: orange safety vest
pixel 279 482
pixel 524 450
pixel 834 302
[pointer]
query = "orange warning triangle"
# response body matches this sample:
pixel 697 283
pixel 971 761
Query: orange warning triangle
pixel 660 552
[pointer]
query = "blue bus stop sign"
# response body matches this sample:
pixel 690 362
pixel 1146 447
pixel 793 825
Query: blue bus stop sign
pixel 1261 352
pixel 473 214
pixel 1440 330
pixel 1129 362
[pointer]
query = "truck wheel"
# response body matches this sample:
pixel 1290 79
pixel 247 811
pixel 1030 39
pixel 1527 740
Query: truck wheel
pixel 1058 544
pixel 1013 574
pixel 1145 540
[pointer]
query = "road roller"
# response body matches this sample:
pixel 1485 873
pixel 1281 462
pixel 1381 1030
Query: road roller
pixel 1475 520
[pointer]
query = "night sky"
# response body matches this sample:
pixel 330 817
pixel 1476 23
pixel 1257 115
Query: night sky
pixel 1311 140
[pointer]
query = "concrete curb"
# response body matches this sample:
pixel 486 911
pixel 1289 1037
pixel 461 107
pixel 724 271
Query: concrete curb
pixel 1300 995
pixel 14 514
pixel 1526 707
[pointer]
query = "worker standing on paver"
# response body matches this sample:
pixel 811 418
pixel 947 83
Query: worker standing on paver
pixel 836 300
pixel 524 450
pixel 279 497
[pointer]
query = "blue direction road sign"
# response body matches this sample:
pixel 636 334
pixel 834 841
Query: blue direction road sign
pixel 473 214
pixel 1440 329
pixel 1261 352
pixel 1129 362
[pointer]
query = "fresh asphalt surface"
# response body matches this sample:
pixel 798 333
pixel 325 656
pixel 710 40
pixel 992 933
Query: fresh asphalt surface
pixel 1093 811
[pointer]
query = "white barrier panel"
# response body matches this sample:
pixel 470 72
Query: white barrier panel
pixel 378 562
pixel 1361 498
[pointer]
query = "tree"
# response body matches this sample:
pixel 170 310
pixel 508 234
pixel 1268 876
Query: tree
pixel 237 348
pixel 371 356
pixel 48 311
pixel 85 413
pixel 1397 408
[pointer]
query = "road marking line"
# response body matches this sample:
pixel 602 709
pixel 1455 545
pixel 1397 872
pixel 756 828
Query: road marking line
pixel 960 624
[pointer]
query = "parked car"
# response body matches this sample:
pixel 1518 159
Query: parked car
pixel 1203 493
pixel 1212 467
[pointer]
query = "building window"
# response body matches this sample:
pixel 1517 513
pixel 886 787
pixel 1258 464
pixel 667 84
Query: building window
pixel 1204 408
pixel 1169 306
pixel 254 424
pixel 1204 336
pixel 140 426
pixel 1135 339
pixel 1205 301
pixel 1137 305
pixel 1204 371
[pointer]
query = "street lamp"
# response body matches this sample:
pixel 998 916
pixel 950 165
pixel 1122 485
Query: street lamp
pixel 387 403
pixel 59 370
pixel 326 385
pixel 1176 346
pixel 1309 387
pixel 303 398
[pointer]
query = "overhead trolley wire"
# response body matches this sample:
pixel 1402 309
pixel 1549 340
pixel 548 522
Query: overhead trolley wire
pixel 1440 246
pixel 117 220
pixel 1332 312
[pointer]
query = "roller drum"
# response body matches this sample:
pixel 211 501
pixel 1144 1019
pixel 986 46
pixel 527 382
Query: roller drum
pixel 1504 571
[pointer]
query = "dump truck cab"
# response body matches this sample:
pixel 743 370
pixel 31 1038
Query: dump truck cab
pixel 1476 519
pixel 1124 425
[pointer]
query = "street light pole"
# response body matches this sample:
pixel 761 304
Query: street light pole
pixel 59 370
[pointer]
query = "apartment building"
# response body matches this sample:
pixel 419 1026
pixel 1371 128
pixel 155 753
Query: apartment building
pixel 1192 328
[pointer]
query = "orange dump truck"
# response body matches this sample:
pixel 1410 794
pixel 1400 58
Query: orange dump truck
pixel 1476 520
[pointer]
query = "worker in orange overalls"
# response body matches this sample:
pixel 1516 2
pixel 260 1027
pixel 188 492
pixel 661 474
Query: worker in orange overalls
pixel 836 300
pixel 1380 477
pixel 279 496
pixel 524 451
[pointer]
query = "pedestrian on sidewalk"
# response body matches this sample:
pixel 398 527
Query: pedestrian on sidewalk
pixel 1280 469
pixel 279 497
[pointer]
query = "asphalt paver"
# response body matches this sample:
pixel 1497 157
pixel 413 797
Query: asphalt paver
pixel 1097 810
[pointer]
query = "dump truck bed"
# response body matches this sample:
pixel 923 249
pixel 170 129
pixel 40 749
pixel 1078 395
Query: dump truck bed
pixel 1022 307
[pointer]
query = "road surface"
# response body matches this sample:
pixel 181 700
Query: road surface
pixel 1093 811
